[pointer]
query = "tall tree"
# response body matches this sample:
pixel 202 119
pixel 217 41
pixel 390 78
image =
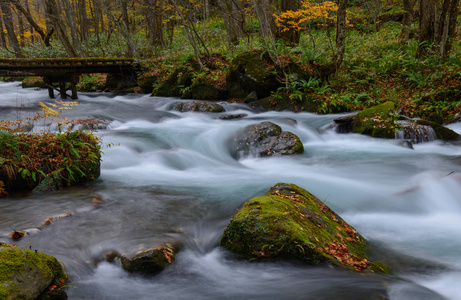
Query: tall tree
pixel 408 6
pixel 266 29
pixel 72 21
pixel 154 20
pixel 30 19
pixel 122 27
pixel 83 20
pixel 234 19
pixel 8 22
pixel 52 11
pixel 437 27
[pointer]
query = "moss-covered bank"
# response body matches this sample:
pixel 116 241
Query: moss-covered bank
pixel 47 160
pixel 290 222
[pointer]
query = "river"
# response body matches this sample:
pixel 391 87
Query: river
pixel 168 176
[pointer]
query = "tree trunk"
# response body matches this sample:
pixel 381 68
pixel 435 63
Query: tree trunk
pixel 71 20
pixel 234 19
pixel 437 27
pixel 290 37
pixel 207 10
pixel 447 26
pixel 8 22
pixel 98 17
pixel 341 28
pixel 83 18
pixel 30 19
pixel 427 10
pixel 189 34
pixel 2 35
pixel 154 21
pixel 125 18
pixel 266 34
pixel 55 20
pixel 123 29
pixel 408 6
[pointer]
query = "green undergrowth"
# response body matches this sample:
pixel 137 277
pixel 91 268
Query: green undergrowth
pixel 60 158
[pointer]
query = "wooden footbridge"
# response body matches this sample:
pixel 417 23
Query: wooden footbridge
pixel 67 70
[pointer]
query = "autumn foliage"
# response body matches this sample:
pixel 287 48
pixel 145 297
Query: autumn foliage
pixel 298 20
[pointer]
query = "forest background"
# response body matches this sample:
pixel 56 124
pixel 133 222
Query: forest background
pixel 365 52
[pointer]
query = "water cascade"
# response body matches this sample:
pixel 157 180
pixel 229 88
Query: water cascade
pixel 415 133
pixel 169 177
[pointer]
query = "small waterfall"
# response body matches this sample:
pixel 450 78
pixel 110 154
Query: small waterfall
pixel 415 133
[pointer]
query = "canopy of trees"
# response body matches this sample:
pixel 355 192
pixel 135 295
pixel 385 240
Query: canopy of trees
pixel 75 23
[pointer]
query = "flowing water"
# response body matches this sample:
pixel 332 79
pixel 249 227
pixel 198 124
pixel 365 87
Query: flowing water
pixel 168 176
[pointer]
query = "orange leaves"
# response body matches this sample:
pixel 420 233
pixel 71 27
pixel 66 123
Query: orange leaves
pixel 16 235
pixel 342 254
pixel 295 198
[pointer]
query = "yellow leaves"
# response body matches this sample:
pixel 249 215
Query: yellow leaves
pixel 297 20
pixel 48 111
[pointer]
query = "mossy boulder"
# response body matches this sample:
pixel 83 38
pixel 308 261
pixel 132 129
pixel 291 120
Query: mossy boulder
pixel 205 87
pixel 377 121
pixel 150 261
pixel 34 81
pixel 255 71
pixel 147 83
pixel 288 101
pixel 442 132
pixel 198 106
pixel 179 80
pixel 290 222
pixel 264 139
pixel 26 274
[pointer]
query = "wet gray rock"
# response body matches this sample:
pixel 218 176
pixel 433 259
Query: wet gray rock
pixel 264 139
pixel 198 106
pixel 233 117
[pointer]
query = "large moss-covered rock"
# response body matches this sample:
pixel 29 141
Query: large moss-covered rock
pixel 282 101
pixel 290 222
pixel 176 83
pixel 255 71
pixel 264 139
pixel 26 274
pixel 147 83
pixel 150 261
pixel 376 121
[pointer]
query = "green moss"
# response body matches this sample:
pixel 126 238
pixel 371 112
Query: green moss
pixel 290 222
pixel 34 81
pixel 376 121
pixel 14 259
pixel 443 133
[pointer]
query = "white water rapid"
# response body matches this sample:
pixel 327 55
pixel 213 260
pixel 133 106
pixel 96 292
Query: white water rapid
pixel 168 176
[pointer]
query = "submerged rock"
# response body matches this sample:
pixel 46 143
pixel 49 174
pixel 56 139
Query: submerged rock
pixel 198 106
pixel 264 139
pixel 150 261
pixel 26 274
pixel 289 222
pixel 233 117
